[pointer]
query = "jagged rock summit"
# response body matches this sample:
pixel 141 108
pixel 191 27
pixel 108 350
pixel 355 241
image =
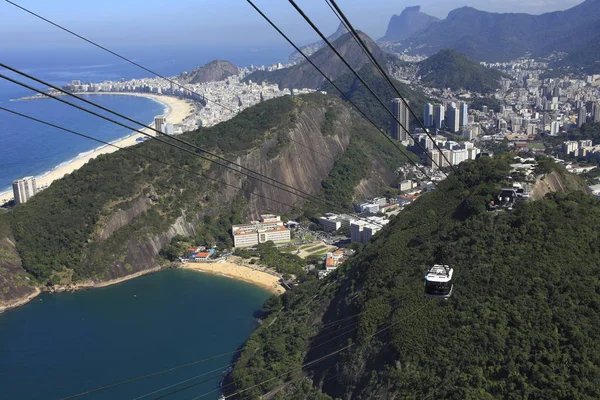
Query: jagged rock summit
pixel 409 22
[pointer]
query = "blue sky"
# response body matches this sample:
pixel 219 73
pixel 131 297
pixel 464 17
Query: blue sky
pixel 130 23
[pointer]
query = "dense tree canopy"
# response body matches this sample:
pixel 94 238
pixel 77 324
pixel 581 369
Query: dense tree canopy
pixel 522 322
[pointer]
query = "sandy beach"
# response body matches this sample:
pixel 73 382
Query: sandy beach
pixel 240 272
pixel 178 110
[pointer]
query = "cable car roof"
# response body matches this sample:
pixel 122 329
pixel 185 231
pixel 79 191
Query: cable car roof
pixel 439 273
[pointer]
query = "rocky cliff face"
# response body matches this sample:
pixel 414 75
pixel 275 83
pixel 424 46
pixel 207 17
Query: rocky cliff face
pixel 217 70
pixel 16 286
pixel 555 182
pixel 403 26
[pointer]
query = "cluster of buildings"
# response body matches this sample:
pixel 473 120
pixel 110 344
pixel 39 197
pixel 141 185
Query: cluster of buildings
pixel 361 231
pixel 536 105
pixel 451 116
pixel 221 100
pixel 268 228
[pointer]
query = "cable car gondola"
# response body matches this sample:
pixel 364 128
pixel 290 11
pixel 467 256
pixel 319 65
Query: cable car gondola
pixel 438 282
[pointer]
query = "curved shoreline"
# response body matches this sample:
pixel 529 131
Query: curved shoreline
pixel 177 111
pixel 239 272
pixel 226 269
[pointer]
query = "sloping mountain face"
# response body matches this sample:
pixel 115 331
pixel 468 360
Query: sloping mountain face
pixel 112 217
pixel 15 285
pixel 408 23
pixel 583 48
pixel 451 69
pixel 361 96
pixel 312 48
pixel 217 70
pixel 485 36
pixel 304 75
pixel 521 322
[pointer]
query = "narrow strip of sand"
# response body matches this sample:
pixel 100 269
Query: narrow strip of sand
pixel 248 274
pixel 178 110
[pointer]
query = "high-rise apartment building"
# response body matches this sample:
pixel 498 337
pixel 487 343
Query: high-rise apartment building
pixel 596 112
pixel 464 114
pixel 24 189
pixel 159 123
pixel 402 115
pixel 581 117
pixel 439 116
pixel 428 115
pixel 453 118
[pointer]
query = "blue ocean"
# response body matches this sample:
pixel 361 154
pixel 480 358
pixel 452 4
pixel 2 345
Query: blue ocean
pixel 29 148
pixel 64 344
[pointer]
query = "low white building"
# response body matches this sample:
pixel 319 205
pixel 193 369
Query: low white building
pixel 269 228
pixel 362 231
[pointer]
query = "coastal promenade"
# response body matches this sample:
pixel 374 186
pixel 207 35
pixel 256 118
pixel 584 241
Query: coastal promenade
pixel 178 110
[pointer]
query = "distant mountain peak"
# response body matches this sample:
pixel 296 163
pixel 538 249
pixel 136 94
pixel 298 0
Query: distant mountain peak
pixel 216 70
pixel 409 22
pixel 487 36
pixel 312 48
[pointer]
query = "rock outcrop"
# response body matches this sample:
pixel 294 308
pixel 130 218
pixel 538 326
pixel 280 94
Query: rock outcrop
pixel 214 71
pixel 409 22
pixel 16 287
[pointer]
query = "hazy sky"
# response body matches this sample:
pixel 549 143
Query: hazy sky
pixel 223 22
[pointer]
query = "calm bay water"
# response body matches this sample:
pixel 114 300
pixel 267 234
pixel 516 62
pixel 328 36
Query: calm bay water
pixel 63 344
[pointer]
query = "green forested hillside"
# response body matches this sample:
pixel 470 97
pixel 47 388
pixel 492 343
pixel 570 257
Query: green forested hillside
pixel 522 322
pixel 451 69
pixel 110 218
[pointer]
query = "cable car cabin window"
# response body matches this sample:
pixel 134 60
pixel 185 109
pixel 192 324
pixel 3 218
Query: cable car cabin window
pixel 438 287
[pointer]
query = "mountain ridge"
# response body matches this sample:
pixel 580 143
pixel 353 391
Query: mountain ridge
pixel 304 75
pixel 486 36
pixel 312 48
pixel 405 25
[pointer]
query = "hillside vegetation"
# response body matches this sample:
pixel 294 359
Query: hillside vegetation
pixel 112 217
pixel 451 69
pixel 522 322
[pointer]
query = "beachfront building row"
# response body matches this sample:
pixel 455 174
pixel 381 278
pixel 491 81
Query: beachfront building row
pixel 268 228
pixel 24 189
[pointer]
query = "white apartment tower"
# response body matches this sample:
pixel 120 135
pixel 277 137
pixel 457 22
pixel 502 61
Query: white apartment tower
pixel 439 116
pixel 464 114
pixel 24 189
pixel 453 118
